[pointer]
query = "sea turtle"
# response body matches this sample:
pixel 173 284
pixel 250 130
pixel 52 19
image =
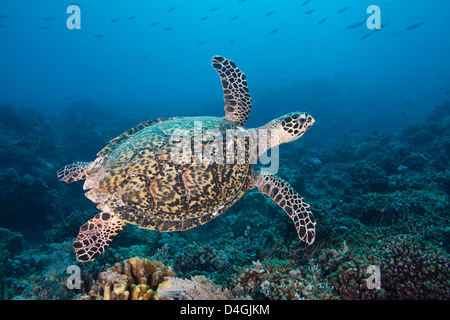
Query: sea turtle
pixel 149 176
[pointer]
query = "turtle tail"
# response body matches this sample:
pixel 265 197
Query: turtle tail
pixel 74 172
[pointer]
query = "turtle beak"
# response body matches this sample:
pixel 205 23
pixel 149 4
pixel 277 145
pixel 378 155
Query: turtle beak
pixel 309 121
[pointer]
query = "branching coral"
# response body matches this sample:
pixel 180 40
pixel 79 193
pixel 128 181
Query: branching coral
pixel 280 283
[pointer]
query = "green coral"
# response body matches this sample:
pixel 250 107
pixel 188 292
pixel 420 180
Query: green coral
pixel 195 258
pixel 69 226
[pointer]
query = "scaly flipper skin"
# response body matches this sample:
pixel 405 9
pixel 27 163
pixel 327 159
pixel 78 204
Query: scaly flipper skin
pixel 74 172
pixel 96 235
pixel 238 102
pixel 290 201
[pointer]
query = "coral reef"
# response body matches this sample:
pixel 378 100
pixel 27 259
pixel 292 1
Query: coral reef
pixel 409 269
pixel 69 226
pixel 386 196
pixel 197 288
pixel 11 244
pixel 200 258
pixel 414 270
pixel 347 274
pixel 277 281
pixel 134 279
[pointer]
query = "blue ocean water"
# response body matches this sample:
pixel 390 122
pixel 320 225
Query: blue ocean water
pixel 374 167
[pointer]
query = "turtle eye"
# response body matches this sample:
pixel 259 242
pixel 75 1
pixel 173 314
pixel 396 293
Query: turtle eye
pixel 301 119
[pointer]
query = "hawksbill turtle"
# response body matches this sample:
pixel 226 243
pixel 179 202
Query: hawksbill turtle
pixel 149 176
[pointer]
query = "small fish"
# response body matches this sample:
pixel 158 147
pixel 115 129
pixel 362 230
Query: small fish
pixel 232 41
pixel 234 18
pixel 342 229
pixel 154 24
pixel 413 26
pixel 356 25
pixel 270 13
pixel 240 1
pixel 99 36
pixel 366 35
pixel 3 16
pixel 1 25
pixel 114 20
pixel 408 101
pixel 201 42
pixel 167 28
pixel 131 18
pixel 213 9
pixel 322 21
pixel 310 11
pixel 305 3
pixel 204 18
pixel 43 28
pixel 274 30
pixel 50 19
pixel 343 9
pixel 446 92
pixel 171 9
pixel 376 30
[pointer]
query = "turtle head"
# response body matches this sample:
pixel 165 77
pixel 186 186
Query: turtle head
pixel 292 126
pixel 284 129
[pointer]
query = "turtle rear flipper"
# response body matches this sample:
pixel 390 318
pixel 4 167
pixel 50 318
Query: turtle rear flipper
pixel 96 235
pixel 74 172
pixel 290 201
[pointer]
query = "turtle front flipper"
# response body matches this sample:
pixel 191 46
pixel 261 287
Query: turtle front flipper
pixel 74 172
pixel 238 102
pixel 96 235
pixel 290 201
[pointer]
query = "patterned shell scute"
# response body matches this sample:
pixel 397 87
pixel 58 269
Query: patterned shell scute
pixel 137 178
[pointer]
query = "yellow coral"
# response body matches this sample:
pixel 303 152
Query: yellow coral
pixel 141 292
pixel 143 279
pixel 135 279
